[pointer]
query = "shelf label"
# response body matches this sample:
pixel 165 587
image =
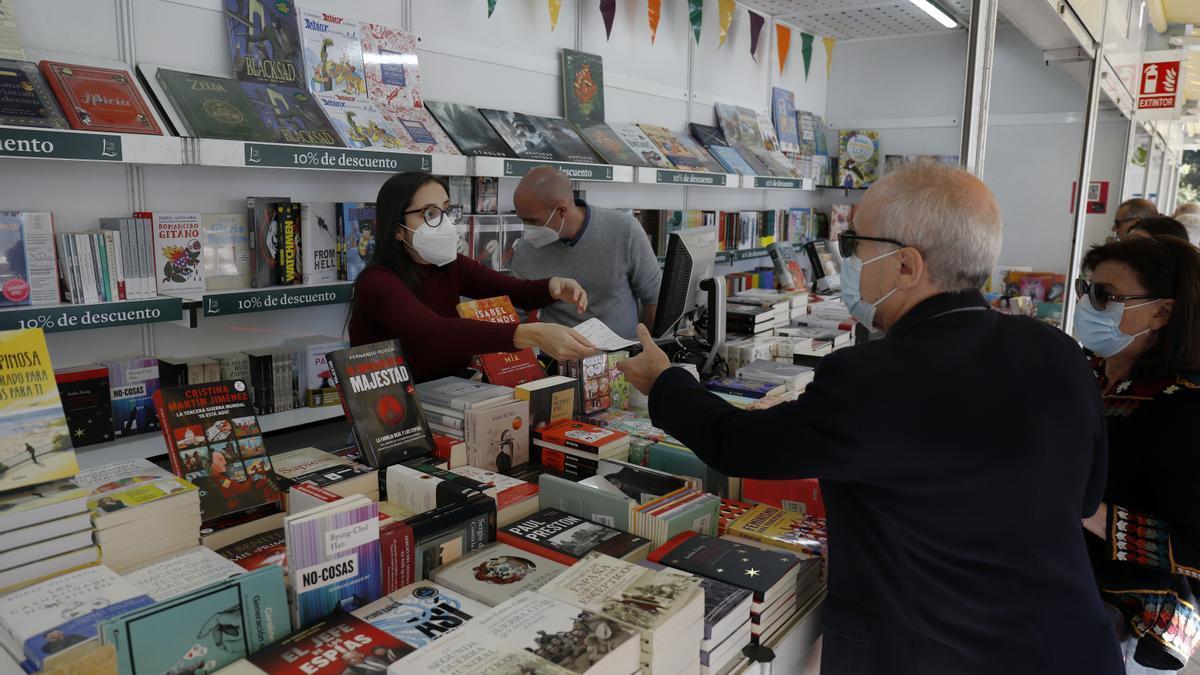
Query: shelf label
pixel 269 299
pixel 50 144
pixel 724 256
pixel 518 167
pixel 63 318
pixel 747 254
pixel 774 182
pixel 689 178
pixel 308 157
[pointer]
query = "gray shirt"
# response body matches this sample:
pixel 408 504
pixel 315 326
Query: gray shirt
pixel 611 258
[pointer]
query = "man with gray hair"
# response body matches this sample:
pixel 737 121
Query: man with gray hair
pixel 1129 213
pixel 955 539
pixel 1187 208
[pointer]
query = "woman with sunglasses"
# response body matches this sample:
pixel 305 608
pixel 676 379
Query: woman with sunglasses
pixel 1139 316
pixel 416 278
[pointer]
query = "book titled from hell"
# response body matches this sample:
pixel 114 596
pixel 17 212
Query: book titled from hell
pixel 380 399
pixel 214 441
pixel 35 442
pixel 507 369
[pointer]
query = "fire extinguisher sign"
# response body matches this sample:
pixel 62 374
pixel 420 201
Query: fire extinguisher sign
pixel 1160 84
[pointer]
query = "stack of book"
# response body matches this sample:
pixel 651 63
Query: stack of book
pixel 566 538
pixel 683 510
pixel 727 627
pixel 492 422
pixel 183 572
pixel 789 375
pixel 743 388
pixel 770 527
pixel 413 547
pixel 496 572
pixel 611 495
pixel 420 613
pixel 318 468
pixel 796 302
pixel 425 486
pixel 44 531
pixel 754 318
pixel 446 402
pixel 574 448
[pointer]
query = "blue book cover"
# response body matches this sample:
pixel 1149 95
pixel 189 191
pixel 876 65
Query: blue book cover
pixel 731 159
pixel 204 630
pixel 264 42
pixel 356 221
pixel 783 107
pixel 333 557
pixel 132 384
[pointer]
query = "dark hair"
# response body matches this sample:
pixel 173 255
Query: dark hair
pixel 1161 226
pixel 1167 267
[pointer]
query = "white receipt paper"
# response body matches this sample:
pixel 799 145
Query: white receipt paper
pixel 602 336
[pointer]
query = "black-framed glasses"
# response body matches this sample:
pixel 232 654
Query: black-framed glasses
pixel 1099 295
pixel 848 242
pixel 433 215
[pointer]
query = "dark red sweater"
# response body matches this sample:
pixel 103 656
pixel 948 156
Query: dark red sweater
pixel 436 342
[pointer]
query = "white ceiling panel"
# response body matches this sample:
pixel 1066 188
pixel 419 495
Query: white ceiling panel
pixel 859 19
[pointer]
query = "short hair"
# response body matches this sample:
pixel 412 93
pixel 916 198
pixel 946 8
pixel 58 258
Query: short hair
pixel 1191 222
pixel 1187 208
pixel 1167 267
pixel 1162 226
pixel 1139 208
pixel 947 214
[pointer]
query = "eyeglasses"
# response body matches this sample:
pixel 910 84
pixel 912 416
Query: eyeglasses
pixel 433 215
pixel 1117 221
pixel 1100 297
pixel 848 242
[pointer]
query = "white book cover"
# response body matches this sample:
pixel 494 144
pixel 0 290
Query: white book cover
pixel 178 254
pixel 37 231
pixel 318 223
pixel 226 250
pixel 359 123
pixel 182 573
pixel 390 58
pixel 497 572
pixel 333 59
pixel 498 437
pixel 470 652
pixel 420 613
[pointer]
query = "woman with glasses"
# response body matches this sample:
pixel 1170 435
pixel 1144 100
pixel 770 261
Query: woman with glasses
pixel 1139 315
pixel 416 278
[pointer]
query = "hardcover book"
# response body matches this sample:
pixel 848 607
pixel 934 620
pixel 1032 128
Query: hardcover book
pixel 583 88
pixel 698 151
pixel 381 402
pixel 766 131
pixel 642 146
pixel 211 626
pixel 732 160
pixel 504 368
pixel 100 99
pixel 421 132
pixel 429 540
pixel 212 107
pixel 522 133
pixel 567 539
pixel 760 571
pixel 420 613
pixel 264 239
pixel 672 148
pixel 858 158
pixel 359 123
pixel 807 132
pixel 318 224
pixel 84 391
pixel 178 253
pixel 707 135
pixel 356 224
pixel 35 441
pixel 390 65
pixel 469 130
pixel 264 42
pixel 333 58
pixel 497 572
pixel 225 247
pixel 290 114
pixel 25 99
pixel 182 573
pixel 498 437
pixel 609 146
pixel 568 146
pixel 740 126
pixel 333 558
pixel 341 644
pixel 213 440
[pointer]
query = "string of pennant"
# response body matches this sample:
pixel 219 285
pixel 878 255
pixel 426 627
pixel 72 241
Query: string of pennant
pixel 725 14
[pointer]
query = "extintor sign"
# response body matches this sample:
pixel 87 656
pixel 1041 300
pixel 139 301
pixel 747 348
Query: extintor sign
pixel 1160 87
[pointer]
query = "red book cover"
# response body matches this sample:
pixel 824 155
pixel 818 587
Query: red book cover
pixel 397 547
pixel 100 99
pixel 507 369
pixel 579 435
pixel 800 495
pixel 261 550
pixel 730 511
pixel 339 644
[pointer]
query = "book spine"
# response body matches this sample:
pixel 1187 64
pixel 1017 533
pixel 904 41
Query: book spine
pixel 397 548
pixel 367 450
pixel 83 247
pixel 160 408
pixel 64 268
pixel 144 222
pixel 524 544
pixel 117 262
pixel 133 286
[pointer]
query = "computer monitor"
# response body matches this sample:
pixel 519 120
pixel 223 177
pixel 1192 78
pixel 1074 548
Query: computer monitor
pixel 691 256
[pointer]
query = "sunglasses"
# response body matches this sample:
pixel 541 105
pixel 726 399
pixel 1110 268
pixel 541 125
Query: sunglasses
pixel 1100 297
pixel 433 215
pixel 848 242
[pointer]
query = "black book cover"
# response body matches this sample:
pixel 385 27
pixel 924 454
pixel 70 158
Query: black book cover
pixel 707 135
pixel 742 565
pixel 380 399
pixel 290 114
pixel 264 238
pixel 565 538
pixel 86 403
pixel 444 534
pixel 288 262
pixel 568 146
pixel 468 129
pixel 522 133
pixel 172 373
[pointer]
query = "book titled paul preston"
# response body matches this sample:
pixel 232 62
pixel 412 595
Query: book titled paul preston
pixel 566 539
pixel 379 396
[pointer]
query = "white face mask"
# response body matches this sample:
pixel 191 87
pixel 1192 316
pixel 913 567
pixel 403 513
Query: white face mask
pixel 540 236
pixel 436 245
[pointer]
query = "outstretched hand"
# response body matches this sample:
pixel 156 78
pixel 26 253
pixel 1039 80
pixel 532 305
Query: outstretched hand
pixel 569 290
pixel 642 371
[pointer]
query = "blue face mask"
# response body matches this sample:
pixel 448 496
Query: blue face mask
pixel 1099 330
pixel 860 309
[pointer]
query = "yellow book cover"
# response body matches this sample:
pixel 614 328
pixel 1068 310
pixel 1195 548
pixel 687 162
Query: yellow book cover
pixel 785 529
pixel 35 444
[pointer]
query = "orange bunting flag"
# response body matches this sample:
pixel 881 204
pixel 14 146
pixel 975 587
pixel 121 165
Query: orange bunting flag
pixel 783 42
pixel 654 13
pixel 725 11
pixel 555 5
pixel 829 42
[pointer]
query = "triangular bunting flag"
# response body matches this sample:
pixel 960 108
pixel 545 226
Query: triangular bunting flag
pixel 829 42
pixel 653 13
pixel 491 7
pixel 725 12
pixel 783 42
pixel 555 5
pixel 756 26
pixel 608 10
pixel 806 41
pixel 696 16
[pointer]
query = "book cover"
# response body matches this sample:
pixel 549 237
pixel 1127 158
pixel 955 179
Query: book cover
pixel 341 644
pixel 333 58
pixel 390 64
pixel 268 549
pixel 289 241
pixel 333 558
pixel 522 134
pixel 420 613
pixel 41 264
pixel 551 399
pixel 213 440
pixel 707 135
pixel 566 538
pixel 290 114
pixel 726 607
pixel 58 617
pixel 583 88
pixel 608 144
pixel 420 131
pixel 446 533
pixel 113 489
pixel 100 99
pixel 35 441
pixel 515 498
pixel 642 146
pixel 203 630
pixel 806 132
pixel 507 369
pixel 568 146
pixel 212 107
pixel 743 565
pixel 314 466
pixel 468 129
pixel 497 572
pixel 456 393
pixel 424 487
pixel 84 391
pixel 182 572
pixel 788 274
pixel 839 219
pixel 381 402
pixel 740 126
pixel 225 248
pixel 25 98
pixel 498 437
pixel 264 238
pixel 178 253
pixel 783 109
pixel 766 131
pixel 264 42
pixel 318 224
pixel 858 158
pixel 359 123
pixel 798 532
pixel 39 504
pixel 14 289
pixel 706 160
pixel 581 436
pixel 356 222
pixel 672 148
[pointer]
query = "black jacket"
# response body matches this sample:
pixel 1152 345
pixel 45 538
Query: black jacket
pixel 958 456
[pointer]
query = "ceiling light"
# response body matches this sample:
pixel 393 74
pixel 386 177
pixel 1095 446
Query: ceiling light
pixel 937 14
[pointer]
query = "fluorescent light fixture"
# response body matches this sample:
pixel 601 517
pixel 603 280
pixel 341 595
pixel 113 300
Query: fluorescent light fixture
pixel 936 13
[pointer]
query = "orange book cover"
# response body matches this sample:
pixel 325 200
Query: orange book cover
pixel 508 369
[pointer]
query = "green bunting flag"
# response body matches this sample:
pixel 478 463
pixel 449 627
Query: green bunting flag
pixel 696 16
pixel 806 43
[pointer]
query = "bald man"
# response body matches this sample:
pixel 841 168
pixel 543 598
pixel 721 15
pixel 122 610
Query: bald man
pixel 1130 213
pixel 606 251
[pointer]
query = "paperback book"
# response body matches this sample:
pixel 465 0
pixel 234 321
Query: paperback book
pixel 498 437
pixel 84 391
pixel 783 108
pixel 318 225
pixel 416 546
pixel 420 613
pixel 858 158
pixel 507 369
pixel 226 251
pixel 268 549
pixel 178 254
pixel 341 644
pixel 551 399
pixel 390 66
pixel 473 135
pixel 289 244
pixel 182 573
pixel 333 58
pixel 264 239
pixel 212 107
pixel 764 573
pixel 567 539
pixel 35 441
pixel 26 99
pixel 356 228
pixel 290 114
pixel 100 99
pixel 359 123
pixel 264 42
pixel 333 558
pixel 497 572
